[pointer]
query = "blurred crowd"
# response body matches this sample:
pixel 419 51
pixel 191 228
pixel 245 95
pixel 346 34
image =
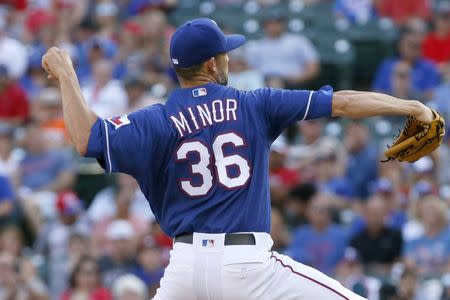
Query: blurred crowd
pixel 380 228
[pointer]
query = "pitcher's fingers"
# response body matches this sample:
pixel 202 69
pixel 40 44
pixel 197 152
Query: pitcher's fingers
pixel 45 66
pixel 50 75
pixel 43 62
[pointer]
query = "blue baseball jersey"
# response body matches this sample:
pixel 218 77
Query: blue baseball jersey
pixel 202 158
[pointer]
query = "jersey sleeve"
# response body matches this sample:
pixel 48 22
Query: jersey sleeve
pixel 280 108
pixel 123 144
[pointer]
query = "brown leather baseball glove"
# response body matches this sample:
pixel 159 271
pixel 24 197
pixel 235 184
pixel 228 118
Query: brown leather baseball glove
pixel 417 139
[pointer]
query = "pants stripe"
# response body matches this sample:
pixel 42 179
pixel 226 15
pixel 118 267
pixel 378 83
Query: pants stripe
pixel 307 277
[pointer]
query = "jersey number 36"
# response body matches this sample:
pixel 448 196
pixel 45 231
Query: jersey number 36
pixel 221 162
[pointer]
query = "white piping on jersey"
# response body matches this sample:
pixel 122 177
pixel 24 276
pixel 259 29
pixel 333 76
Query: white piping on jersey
pixel 307 106
pixel 107 146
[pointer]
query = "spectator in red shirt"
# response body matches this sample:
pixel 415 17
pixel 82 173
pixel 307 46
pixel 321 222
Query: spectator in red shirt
pixel 436 45
pixel 85 282
pixel 282 178
pixel 14 106
pixel 17 4
pixel 280 173
pixel 402 11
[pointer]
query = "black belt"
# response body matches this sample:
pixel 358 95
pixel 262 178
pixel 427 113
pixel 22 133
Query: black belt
pixel 231 239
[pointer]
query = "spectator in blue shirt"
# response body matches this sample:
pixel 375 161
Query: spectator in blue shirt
pixel 134 7
pixel 424 73
pixel 149 266
pixel 330 179
pixel 6 199
pixel 430 253
pixel 34 80
pixel 55 167
pixel 385 189
pixel 321 243
pixel 280 54
pixel 359 12
pixel 441 97
pixel 361 169
pixel 90 51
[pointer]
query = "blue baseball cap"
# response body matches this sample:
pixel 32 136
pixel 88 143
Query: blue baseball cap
pixel 198 40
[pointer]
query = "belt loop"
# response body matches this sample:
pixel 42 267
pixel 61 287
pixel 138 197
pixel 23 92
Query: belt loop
pixel 258 242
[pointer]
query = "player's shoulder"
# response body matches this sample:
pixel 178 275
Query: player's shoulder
pixel 152 116
pixel 232 92
pixel 141 114
pixel 154 110
pixel 249 94
pixel 249 98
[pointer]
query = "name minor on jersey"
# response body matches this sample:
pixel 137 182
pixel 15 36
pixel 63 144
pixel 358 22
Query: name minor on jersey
pixel 204 115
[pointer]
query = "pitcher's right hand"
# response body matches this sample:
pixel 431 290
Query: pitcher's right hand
pixel 57 63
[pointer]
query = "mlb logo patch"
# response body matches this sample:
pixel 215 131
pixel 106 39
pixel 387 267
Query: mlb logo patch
pixel 199 92
pixel 119 121
pixel 208 243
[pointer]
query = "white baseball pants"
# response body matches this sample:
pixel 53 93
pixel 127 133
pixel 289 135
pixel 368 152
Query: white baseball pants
pixel 208 270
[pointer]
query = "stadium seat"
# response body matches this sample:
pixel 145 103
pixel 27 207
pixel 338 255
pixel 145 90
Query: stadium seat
pixel 373 42
pixel 187 9
pixel 177 18
pixel 231 17
pixel 312 15
pixel 337 57
pixel 90 180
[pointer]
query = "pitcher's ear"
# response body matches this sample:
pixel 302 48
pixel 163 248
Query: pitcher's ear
pixel 212 65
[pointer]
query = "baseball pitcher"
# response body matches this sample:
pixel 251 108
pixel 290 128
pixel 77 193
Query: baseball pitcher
pixel 201 160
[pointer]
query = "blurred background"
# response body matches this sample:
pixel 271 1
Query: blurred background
pixel 68 231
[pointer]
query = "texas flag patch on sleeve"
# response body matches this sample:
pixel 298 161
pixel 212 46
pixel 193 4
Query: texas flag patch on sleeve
pixel 119 121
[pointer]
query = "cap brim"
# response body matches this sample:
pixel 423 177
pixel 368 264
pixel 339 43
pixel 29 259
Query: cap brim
pixel 234 41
